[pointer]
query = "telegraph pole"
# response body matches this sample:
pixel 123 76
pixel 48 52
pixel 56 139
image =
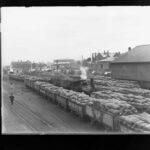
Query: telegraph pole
pixel 82 61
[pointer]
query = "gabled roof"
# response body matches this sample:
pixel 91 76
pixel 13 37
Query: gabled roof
pixel 137 54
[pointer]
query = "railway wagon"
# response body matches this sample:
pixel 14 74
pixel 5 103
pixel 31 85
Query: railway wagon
pixel 20 78
pixel 126 129
pixel 108 120
pixel 95 113
pixel 43 88
pixel 50 93
pixel 27 81
pixel 80 109
pixel 32 82
pixel 16 77
pixel 37 85
pixel 71 105
pixel 133 123
pixel 62 101
pixel 89 111
pixel 47 92
pixel 77 108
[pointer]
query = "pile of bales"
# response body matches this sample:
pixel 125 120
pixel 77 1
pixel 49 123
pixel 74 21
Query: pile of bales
pixel 106 110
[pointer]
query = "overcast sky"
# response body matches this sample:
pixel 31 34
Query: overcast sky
pixel 47 33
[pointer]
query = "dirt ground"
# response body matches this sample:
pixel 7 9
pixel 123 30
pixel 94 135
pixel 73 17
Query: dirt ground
pixel 31 113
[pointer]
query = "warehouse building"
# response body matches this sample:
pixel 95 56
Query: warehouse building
pixel 133 65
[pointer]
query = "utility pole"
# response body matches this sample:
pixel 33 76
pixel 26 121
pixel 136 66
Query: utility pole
pixel 57 66
pixel 82 60
pixel 31 66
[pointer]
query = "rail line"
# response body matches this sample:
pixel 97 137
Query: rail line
pixel 20 117
pixel 31 119
pixel 44 125
pixel 24 112
pixel 61 120
pixel 35 114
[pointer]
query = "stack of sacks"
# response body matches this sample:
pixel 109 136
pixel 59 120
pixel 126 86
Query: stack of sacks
pixel 64 92
pixel 118 83
pixel 79 97
pixel 53 89
pixel 115 107
pixel 137 122
pixel 135 91
pixel 138 102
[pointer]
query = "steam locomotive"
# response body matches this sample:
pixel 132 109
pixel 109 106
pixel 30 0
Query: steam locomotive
pixel 73 82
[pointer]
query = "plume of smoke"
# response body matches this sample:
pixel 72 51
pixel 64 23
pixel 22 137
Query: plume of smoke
pixel 83 72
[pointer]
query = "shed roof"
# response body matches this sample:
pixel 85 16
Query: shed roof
pixel 138 54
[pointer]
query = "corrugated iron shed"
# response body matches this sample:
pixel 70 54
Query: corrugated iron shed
pixel 137 54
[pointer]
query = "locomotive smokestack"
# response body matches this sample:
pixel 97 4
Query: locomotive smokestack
pixel 129 48
pixel 92 84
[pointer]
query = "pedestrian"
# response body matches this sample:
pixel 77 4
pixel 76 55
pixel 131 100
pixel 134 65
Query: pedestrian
pixel 11 98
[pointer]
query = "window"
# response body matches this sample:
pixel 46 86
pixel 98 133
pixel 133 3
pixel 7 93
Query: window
pixel 102 66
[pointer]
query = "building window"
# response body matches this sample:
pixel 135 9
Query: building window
pixel 101 66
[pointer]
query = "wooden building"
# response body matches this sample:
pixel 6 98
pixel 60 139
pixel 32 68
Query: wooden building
pixel 133 65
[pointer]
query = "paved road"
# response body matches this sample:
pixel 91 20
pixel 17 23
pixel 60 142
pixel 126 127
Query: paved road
pixel 35 114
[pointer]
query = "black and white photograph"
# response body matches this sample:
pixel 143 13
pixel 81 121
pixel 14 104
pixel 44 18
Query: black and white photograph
pixel 75 70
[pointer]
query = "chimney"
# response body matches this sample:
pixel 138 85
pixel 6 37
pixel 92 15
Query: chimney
pixel 129 49
pixel 93 57
pixel 107 53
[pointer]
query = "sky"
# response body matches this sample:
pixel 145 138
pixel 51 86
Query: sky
pixel 47 33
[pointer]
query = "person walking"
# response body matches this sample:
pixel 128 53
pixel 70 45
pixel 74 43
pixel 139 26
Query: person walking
pixel 12 98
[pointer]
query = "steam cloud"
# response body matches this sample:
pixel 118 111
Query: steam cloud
pixel 83 72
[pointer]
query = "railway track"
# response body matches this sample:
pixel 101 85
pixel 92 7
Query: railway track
pixel 23 112
pixel 21 117
pixel 30 118
pixel 44 125
pixel 65 127
pixel 34 118
pixel 55 117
